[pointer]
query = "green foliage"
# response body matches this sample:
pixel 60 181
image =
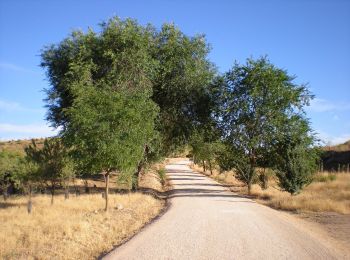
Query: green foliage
pixel 296 158
pixel 205 151
pixel 10 169
pixel 257 102
pixel 108 129
pixel 100 94
pixel 264 175
pixel 224 158
pixel 49 164
pixel 297 167
pixel 130 94
pixel 180 85
pixel 127 56
pixel 16 171
pixel 324 178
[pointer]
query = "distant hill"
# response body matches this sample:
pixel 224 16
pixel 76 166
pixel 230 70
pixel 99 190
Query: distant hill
pixel 336 156
pixel 333 156
pixel 18 145
pixel 339 148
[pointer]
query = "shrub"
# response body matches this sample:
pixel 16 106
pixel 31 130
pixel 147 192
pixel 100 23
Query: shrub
pixel 325 178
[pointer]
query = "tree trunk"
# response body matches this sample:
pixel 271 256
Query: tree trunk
pixel 249 188
pixel 52 192
pixel 135 179
pixel 203 166
pixel 29 206
pixel 87 188
pixel 251 171
pixel 106 190
pixel 265 180
pixel 66 193
pixel 210 168
pixel 4 191
pixel 75 188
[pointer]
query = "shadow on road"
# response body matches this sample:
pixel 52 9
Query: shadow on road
pixel 197 189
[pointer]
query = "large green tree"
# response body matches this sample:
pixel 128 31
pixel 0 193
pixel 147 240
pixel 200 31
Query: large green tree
pixel 180 84
pixel 100 96
pixel 257 102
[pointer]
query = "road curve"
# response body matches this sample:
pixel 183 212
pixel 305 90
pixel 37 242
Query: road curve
pixel 206 221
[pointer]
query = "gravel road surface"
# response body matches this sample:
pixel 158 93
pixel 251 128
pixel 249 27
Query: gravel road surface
pixel 206 221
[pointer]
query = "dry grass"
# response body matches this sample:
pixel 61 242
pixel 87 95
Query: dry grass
pixel 73 229
pixel 326 196
pixel 330 196
pixel 18 145
pixel 152 180
pixel 77 228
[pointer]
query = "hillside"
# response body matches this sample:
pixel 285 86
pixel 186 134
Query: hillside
pixel 18 145
pixel 336 157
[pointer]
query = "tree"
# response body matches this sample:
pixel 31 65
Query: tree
pixel 180 85
pixel 205 152
pixel 9 170
pixel 52 160
pixel 100 96
pixel 296 158
pixel 108 131
pixel 257 100
pixel 28 175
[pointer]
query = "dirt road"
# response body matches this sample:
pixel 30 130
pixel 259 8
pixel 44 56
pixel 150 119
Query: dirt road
pixel 206 221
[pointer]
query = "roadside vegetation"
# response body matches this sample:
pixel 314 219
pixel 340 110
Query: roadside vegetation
pixel 74 228
pixel 329 192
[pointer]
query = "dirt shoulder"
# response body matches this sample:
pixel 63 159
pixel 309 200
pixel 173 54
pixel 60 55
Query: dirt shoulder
pixel 336 226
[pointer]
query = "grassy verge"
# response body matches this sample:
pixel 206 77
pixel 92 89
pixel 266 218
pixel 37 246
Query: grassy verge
pixel 77 228
pixel 328 193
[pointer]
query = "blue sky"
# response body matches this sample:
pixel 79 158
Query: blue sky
pixel 309 38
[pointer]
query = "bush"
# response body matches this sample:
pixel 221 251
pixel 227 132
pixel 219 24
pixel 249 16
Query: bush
pixel 325 178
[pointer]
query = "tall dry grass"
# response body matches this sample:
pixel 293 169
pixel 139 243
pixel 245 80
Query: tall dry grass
pixel 331 194
pixel 77 228
pixel 325 196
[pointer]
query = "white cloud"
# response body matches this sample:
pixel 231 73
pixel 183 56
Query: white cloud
pixel 10 106
pixel 323 105
pixel 13 67
pixel 13 131
pixel 332 140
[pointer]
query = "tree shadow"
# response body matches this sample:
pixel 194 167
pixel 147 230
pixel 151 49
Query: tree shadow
pixel 189 175
pixel 179 171
pixel 185 179
pixel 8 204
pixel 206 184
